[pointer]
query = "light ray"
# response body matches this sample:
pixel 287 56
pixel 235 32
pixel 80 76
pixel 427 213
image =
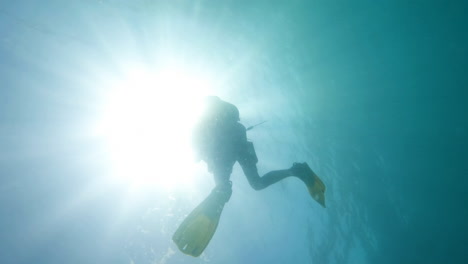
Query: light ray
pixel 147 123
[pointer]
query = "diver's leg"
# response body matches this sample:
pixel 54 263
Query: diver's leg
pixel 259 183
pixel 248 161
pixel 222 171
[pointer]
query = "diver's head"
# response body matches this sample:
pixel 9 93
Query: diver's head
pixel 211 100
pixel 220 110
pixel 210 104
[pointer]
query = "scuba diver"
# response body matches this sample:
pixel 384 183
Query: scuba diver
pixel 221 141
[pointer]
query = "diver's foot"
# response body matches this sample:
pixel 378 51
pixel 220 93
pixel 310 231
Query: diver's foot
pixel 299 169
pixel 223 191
pixel 303 172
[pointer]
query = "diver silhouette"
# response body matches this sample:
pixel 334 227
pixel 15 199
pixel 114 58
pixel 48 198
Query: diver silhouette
pixel 220 140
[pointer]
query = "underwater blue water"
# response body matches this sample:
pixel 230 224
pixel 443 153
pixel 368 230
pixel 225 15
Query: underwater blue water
pixel 372 94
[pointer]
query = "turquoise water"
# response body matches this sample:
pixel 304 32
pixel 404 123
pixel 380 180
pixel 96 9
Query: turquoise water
pixel 372 94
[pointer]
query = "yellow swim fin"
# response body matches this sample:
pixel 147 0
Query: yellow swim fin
pixel 314 184
pixel 197 229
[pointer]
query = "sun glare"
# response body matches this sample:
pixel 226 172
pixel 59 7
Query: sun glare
pixel 147 122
